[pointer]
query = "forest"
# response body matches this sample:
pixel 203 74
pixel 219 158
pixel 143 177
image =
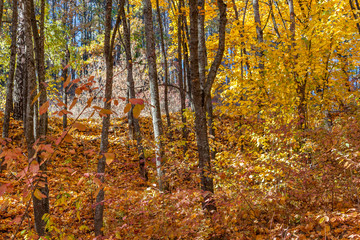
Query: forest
pixel 198 119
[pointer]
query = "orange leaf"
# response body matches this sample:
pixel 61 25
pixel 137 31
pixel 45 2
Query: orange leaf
pixel 109 157
pixel 116 102
pixel 105 111
pixel 89 101
pixel 91 78
pixel 43 109
pixel 73 103
pixel 36 98
pixel 66 83
pixel 127 108
pixel 78 91
pixel 81 181
pixel 34 167
pixel 68 138
pixel 137 110
pixel 79 126
pixel 39 195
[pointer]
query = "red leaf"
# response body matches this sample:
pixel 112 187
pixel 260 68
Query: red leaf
pixel 136 101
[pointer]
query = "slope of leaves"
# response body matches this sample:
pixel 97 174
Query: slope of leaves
pixel 271 182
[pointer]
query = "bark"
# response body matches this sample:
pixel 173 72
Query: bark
pixel 180 76
pixel 41 206
pixel 187 78
pixel 20 92
pixel 134 126
pixel 201 92
pixel 163 50
pixel 39 41
pixel 154 90
pixel 259 34
pixel 10 80
pixel 1 13
pixel 65 75
pixel 104 145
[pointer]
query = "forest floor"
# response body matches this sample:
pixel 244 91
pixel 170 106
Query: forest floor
pixel 257 195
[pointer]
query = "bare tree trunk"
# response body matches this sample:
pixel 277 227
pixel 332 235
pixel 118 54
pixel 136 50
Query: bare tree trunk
pixel 163 50
pixel 187 77
pixel 154 90
pixel 134 125
pixel 259 34
pixel 180 75
pixel 202 69
pixel 20 93
pixel 10 80
pixel 201 93
pixel 104 144
pixel 41 206
pixel 1 13
pixel 65 75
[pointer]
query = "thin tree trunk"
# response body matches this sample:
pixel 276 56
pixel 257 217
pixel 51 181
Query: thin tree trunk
pixel 259 34
pixel 154 90
pixel 1 13
pixel 200 95
pixel 65 75
pixel 104 145
pixel 180 76
pixel 109 42
pixel 10 80
pixel 41 206
pixel 20 93
pixel 163 50
pixel 134 126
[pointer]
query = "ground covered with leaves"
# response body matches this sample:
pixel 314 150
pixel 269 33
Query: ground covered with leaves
pixel 271 182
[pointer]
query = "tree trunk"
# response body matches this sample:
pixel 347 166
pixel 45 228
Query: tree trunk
pixel 10 80
pixel 163 50
pixel 41 206
pixel 20 93
pixel 154 90
pixel 65 75
pixel 259 33
pixel 1 13
pixel 134 126
pixel 180 75
pixel 201 92
pixel 104 145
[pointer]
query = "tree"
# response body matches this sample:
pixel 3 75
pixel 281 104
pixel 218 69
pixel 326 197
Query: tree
pixel 180 71
pixel 201 92
pixel 166 70
pixel 10 81
pixel 20 91
pixel 1 13
pixel 104 145
pixel 134 126
pixel 154 90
